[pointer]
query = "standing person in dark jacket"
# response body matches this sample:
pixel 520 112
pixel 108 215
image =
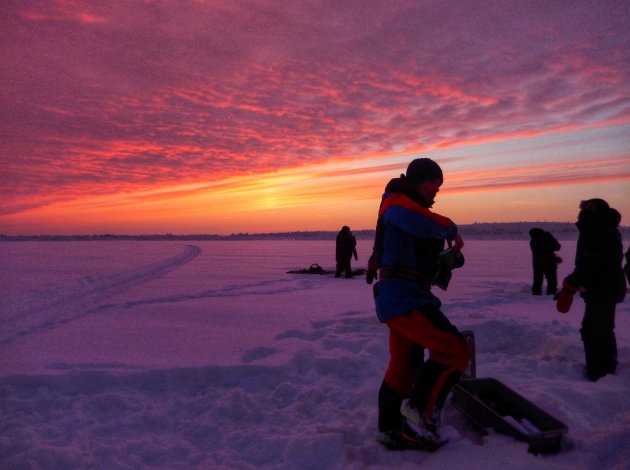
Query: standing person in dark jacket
pixel 600 279
pixel 409 239
pixel 544 260
pixel 346 247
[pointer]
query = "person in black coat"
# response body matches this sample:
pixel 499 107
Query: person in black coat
pixel 346 247
pixel 599 277
pixel 544 259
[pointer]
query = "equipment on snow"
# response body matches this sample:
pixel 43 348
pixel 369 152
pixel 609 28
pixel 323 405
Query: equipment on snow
pixel 317 269
pixel 489 403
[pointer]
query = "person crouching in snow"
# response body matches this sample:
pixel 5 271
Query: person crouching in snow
pixel 409 238
pixel 599 277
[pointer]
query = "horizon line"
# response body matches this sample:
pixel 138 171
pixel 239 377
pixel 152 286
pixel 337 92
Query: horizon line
pixel 251 234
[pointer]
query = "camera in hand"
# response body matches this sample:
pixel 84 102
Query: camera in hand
pixel 447 261
pixel 451 258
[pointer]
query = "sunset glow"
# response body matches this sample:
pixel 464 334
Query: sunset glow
pixel 222 117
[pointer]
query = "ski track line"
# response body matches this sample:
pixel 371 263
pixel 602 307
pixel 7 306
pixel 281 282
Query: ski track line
pixel 66 303
pixel 270 287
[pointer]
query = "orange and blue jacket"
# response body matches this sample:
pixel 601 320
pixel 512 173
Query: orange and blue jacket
pixel 411 236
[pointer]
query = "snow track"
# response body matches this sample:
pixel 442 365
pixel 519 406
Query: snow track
pixel 45 310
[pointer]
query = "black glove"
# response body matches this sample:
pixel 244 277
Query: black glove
pixel 371 274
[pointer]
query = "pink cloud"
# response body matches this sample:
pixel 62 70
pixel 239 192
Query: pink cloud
pixel 549 174
pixel 108 97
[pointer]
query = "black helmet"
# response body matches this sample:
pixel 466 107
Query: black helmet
pixel 422 169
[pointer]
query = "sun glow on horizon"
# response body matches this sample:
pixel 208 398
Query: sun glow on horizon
pixel 342 192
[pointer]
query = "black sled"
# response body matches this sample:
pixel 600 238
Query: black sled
pixel 488 403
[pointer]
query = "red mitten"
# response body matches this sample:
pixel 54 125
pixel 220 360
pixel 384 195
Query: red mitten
pixel 564 298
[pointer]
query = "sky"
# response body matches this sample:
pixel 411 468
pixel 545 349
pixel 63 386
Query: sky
pixel 249 116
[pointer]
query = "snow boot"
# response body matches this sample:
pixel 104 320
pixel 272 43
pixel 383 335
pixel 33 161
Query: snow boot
pixel 408 439
pixel 389 401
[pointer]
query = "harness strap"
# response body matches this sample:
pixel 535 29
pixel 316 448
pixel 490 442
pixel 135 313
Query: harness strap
pixel 390 274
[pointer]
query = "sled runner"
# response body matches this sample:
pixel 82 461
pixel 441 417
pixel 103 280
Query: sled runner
pixel 471 370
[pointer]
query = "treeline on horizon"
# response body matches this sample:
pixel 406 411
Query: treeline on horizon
pixel 481 230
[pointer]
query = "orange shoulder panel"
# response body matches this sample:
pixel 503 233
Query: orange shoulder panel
pixel 400 200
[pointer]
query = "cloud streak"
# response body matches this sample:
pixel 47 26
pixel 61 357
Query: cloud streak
pixel 113 97
pixel 551 174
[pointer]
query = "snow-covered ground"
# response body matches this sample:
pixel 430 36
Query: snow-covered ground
pixel 207 354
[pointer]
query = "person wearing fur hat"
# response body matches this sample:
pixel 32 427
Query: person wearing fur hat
pixel 406 258
pixel 599 278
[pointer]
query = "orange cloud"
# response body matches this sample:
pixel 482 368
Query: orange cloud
pixel 126 115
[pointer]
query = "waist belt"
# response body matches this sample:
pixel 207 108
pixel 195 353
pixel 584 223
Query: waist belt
pixel 390 274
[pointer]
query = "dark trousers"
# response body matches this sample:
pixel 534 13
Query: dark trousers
pixel 426 383
pixel 343 265
pixel 550 273
pixel 598 336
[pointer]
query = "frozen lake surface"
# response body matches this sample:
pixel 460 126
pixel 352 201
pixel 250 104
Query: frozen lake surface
pixel 207 354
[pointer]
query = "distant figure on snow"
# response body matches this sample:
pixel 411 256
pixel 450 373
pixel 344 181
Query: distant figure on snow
pixel 544 260
pixel 345 249
pixel 599 278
